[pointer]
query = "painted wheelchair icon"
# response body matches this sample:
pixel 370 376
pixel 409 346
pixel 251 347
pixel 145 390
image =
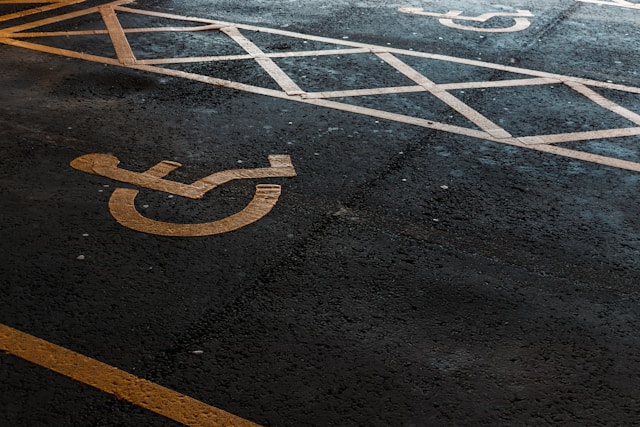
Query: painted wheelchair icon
pixel 447 19
pixel 122 201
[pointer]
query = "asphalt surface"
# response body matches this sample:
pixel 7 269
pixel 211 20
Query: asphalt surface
pixel 407 276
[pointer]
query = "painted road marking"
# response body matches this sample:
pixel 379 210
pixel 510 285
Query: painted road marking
pixel 107 165
pixel 122 207
pixel 285 82
pixel 44 6
pixel 486 129
pixel 113 381
pixel 618 3
pixel 446 19
pixel 119 39
pixel 122 201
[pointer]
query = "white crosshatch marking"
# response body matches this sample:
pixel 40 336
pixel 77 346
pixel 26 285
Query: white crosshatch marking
pixel 483 128
pixel 618 3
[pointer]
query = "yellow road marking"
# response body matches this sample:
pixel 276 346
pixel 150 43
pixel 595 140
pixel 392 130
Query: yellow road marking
pixel 107 165
pixel 122 207
pixel 53 19
pixel 111 380
pixel 285 82
pixel 122 201
pixel 119 39
pixel 50 5
pixel 476 117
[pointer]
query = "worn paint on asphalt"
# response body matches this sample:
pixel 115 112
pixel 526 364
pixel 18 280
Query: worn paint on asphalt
pixel 122 201
pixel 486 129
pixel 111 380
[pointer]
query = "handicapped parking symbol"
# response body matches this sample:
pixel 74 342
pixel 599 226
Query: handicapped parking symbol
pixel 447 19
pixel 122 201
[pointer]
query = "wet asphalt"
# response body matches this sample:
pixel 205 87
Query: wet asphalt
pixel 407 276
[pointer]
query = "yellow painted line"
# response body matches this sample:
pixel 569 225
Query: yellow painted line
pixel 29 1
pixel 473 115
pixel 119 39
pixel 122 201
pixel 57 51
pixel 113 381
pixel 283 80
pixel 59 18
pixel 126 31
pixel 51 5
pixel 121 8
pixel 364 92
pixel 191 59
pixel 107 165
pixel 123 208
pixel 61 33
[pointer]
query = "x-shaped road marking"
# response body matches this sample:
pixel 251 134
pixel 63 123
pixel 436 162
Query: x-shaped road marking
pixel 483 127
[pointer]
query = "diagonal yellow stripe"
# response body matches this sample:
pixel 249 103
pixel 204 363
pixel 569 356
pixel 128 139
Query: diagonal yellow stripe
pixel 111 380
pixel 283 80
pixel 119 39
pixel 49 5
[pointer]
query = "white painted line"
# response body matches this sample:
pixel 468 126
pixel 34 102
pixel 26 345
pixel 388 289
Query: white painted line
pixel 604 102
pixel 449 99
pixel 364 92
pixel 499 83
pixel 616 3
pixel 579 136
pixel 283 80
pixel 589 157
pixel 401 118
pixel 291 91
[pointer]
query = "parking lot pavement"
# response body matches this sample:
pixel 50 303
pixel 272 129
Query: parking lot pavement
pixel 319 213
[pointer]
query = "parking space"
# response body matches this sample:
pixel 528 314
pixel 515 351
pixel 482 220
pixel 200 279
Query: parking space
pixel 295 213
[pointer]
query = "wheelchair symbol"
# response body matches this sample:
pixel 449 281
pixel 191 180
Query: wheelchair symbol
pixel 446 19
pixel 122 201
